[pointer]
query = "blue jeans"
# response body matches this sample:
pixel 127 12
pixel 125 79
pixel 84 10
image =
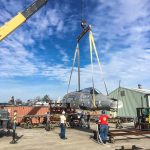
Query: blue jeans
pixel 104 132
pixel 62 130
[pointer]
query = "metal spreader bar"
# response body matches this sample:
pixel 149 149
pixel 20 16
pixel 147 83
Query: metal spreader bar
pixel 88 28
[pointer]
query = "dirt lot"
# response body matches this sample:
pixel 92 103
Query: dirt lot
pixel 39 139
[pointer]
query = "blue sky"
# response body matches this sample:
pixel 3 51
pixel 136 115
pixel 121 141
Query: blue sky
pixel 36 59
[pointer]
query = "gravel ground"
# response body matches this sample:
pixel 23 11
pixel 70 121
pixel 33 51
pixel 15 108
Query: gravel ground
pixel 39 139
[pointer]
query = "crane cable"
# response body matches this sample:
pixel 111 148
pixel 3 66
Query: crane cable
pixel 92 42
pixel 77 49
pixel 82 8
pixel 75 54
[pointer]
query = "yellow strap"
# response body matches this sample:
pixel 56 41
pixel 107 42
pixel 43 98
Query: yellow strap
pixel 75 54
pixel 90 41
pixel 94 46
pixel 93 43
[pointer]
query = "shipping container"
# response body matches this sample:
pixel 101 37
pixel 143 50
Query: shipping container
pixel 27 110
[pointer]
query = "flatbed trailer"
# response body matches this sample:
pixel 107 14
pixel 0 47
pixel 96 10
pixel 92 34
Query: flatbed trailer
pixel 56 109
pixel 125 132
pixel 30 121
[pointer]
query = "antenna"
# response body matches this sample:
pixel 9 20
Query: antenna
pixel 119 83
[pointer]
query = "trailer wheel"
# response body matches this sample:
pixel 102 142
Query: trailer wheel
pixel 28 125
pixel 112 140
pixel 8 133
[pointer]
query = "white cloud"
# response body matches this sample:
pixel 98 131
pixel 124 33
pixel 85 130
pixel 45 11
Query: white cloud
pixel 60 26
pixel 125 29
pixel 16 58
pixel 63 55
pixel 121 30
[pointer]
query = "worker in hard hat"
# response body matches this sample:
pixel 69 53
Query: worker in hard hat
pixel 103 121
pixel 62 126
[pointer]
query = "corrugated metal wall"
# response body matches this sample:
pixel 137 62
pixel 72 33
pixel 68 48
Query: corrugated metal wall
pixel 131 100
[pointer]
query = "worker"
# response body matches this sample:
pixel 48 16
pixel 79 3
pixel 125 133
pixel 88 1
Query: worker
pixel 82 119
pixel 103 121
pixel 143 120
pixel 62 126
pixel 47 127
pixel 48 117
pixel 88 120
pixel 71 121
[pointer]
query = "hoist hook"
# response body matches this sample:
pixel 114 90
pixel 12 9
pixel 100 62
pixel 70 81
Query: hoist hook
pixel 83 23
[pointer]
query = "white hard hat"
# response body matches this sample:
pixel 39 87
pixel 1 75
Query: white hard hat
pixel 63 112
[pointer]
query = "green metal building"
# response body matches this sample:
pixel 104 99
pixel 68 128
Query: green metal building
pixel 132 99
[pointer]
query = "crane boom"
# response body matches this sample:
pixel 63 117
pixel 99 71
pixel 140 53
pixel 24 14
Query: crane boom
pixel 20 18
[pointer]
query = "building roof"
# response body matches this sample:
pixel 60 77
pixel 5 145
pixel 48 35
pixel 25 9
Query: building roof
pixel 145 91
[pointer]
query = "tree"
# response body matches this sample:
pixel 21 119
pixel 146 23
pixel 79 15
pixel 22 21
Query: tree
pixel 12 100
pixel 46 99
pixel 37 99
pixel 18 102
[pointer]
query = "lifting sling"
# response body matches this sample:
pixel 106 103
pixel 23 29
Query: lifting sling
pixel 92 46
